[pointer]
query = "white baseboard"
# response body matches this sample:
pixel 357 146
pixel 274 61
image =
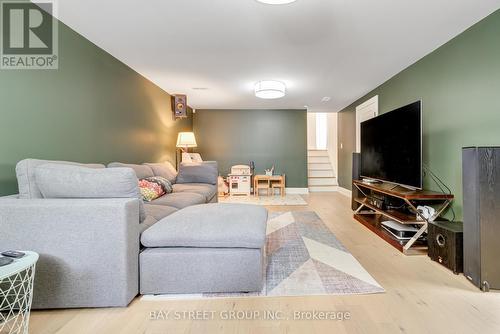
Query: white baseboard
pixel 297 191
pixel 344 191
pixel 338 189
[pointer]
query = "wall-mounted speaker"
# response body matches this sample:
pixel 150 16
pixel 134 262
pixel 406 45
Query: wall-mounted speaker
pixel 179 105
pixel 356 172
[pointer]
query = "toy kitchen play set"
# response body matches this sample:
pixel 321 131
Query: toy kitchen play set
pixel 240 180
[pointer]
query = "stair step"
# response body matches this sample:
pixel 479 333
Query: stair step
pixel 317 189
pixel 321 173
pixel 318 160
pixel 317 153
pixel 322 181
pixel 319 166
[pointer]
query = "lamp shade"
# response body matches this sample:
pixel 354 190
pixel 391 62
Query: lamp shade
pixel 186 139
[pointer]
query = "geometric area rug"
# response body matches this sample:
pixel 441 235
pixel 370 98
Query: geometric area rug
pixel 303 258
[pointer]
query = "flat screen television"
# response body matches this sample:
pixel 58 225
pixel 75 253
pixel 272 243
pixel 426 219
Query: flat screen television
pixel 391 146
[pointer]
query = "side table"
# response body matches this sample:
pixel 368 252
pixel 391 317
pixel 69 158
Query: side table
pixel 16 293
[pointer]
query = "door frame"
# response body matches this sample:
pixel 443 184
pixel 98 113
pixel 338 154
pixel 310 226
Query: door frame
pixel 370 105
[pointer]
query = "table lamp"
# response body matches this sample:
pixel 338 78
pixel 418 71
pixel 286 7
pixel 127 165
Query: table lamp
pixel 185 140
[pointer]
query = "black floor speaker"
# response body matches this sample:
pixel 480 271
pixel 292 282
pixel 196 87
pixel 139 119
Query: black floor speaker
pixel 481 212
pixel 445 242
pixel 356 171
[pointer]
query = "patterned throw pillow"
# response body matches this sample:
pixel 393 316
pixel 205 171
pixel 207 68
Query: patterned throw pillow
pixel 154 187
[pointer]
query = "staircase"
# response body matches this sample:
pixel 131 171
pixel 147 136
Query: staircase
pixel 321 175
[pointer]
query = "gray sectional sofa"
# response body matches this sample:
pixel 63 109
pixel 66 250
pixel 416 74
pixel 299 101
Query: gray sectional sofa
pixel 205 248
pixel 89 245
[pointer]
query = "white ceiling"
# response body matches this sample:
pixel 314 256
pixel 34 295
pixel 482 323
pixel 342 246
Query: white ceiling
pixel 337 48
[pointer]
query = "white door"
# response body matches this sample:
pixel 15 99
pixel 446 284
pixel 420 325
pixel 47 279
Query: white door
pixel 364 112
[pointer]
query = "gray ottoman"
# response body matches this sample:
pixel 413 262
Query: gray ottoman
pixel 205 248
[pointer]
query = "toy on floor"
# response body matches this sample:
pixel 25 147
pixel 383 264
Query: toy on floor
pixel 222 186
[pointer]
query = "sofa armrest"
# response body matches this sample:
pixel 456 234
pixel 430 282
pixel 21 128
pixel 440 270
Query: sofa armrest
pixel 88 248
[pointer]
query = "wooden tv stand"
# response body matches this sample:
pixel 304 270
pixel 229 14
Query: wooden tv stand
pixel 371 216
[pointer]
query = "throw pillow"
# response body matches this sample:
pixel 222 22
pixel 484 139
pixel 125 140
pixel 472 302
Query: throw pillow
pixel 198 172
pixel 142 171
pixel 163 169
pixel 154 187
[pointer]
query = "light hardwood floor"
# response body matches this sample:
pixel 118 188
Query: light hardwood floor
pixel 421 297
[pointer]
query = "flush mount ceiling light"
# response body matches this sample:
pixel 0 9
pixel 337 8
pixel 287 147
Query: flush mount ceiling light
pixel 276 2
pixel 270 89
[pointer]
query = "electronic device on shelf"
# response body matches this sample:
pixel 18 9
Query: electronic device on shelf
pixel 376 201
pixel 400 231
pixel 369 181
pixel 425 212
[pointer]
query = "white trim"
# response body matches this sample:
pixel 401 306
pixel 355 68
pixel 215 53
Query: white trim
pixel 298 191
pixel 344 191
pixel 339 189
pixel 369 106
pixel 368 102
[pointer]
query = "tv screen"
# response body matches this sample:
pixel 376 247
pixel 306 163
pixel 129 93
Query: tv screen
pixel 391 146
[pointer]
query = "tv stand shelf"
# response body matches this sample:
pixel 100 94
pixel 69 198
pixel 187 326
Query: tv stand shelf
pixel 371 216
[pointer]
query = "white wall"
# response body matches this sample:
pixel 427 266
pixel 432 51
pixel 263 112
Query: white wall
pixel 311 131
pixel 332 121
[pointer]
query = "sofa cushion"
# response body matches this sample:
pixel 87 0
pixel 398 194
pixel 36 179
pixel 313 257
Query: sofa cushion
pixel 154 213
pixel 198 172
pixel 210 225
pixel 163 169
pixel 206 190
pixel 180 200
pixel 67 181
pixel 25 172
pixel 147 223
pixel 142 171
pixel 158 212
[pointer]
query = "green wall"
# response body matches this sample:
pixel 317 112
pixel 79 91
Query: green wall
pixel 93 108
pixel 459 84
pixel 268 137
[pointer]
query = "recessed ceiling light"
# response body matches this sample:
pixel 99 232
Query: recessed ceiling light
pixel 270 89
pixel 200 88
pixel 276 2
pixel 326 99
